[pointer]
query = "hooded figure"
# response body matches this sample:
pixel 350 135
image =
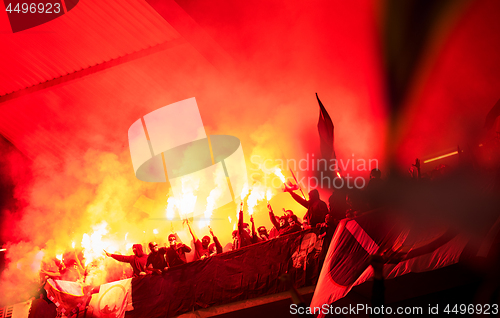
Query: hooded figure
pixel 176 253
pixel 316 209
pixel 157 258
pixel 137 261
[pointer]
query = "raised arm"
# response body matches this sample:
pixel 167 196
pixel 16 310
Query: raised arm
pixel 120 258
pixel 191 231
pixel 240 218
pixel 299 199
pixel 272 217
pixel 218 246
pixel 253 227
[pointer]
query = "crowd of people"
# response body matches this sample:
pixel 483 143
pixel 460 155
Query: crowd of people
pixel 342 204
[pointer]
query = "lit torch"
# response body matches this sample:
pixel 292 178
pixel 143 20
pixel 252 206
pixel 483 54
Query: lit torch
pixel 93 245
pixel 244 191
pixel 298 185
pixel 171 203
pixel 280 175
pixel 258 193
pixel 269 195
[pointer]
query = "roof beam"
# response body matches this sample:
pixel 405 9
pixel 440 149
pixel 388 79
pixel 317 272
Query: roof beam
pixel 93 69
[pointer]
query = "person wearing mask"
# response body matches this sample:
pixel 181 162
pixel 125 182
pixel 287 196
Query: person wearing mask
pixel 137 261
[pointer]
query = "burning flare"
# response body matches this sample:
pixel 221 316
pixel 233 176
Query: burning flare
pixel 278 173
pixel 257 194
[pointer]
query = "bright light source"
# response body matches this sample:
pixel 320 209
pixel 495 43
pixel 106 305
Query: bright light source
pixel 441 157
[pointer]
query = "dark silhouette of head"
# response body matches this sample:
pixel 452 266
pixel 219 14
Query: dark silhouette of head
pixel 205 241
pixel 262 232
pixel 172 239
pixel 375 174
pixel 292 220
pixel 283 221
pixel 314 195
pixel 137 249
pixel 153 247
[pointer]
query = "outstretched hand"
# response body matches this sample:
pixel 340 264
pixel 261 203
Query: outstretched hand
pixel 107 254
pixel 211 232
pixel 269 207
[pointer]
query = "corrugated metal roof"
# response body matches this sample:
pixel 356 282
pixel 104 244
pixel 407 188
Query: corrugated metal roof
pixel 92 33
pixel 65 121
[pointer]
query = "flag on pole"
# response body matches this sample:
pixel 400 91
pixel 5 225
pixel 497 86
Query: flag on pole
pixel 347 261
pixel 325 129
pixel 69 297
pixel 326 134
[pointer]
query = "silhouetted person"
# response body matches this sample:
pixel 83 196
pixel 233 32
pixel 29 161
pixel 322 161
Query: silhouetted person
pixel 293 225
pixel 157 258
pixel 255 237
pixel 201 250
pixel 280 223
pixel 316 209
pixel 273 233
pixel 235 244
pixel 137 261
pixel 242 234
pixel 216 246
pixel 289 213
pixel 176 252
pixel 261 234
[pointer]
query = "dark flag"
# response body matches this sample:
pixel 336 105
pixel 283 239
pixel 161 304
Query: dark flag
pixel 347 262
pixel 325 129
